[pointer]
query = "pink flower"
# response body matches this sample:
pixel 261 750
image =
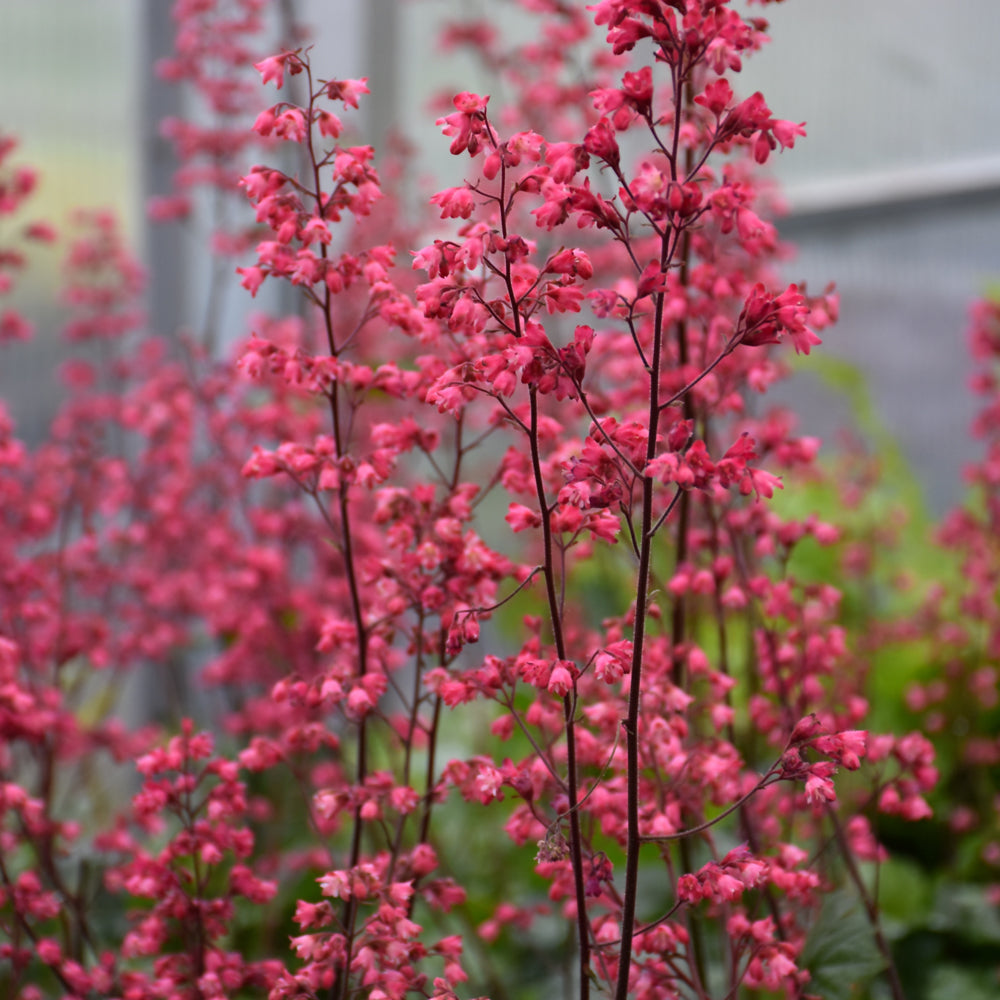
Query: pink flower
pixel 291 124
pixel 264 123
pixel 272 69
pixel 43 232
pixel 253 278
pixel 602 142
pixel 347 91
pixel 455 203
pixel 786 132
pixel 468 125
pixel 561 678
pixel 819 787
pixel 13 326
pixel 329 124
pixel 716 96
pixel 359 703
pixel 522 518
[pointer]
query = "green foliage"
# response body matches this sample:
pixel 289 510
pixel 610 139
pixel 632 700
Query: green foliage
pixel 944 932
pixel 949 945
pixel 949 981
pixel 840 952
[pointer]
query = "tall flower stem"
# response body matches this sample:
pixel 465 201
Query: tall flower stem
pixel 569 708
pixel 634 842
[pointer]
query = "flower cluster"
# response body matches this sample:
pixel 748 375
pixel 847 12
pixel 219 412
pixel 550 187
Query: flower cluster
pixel 471 564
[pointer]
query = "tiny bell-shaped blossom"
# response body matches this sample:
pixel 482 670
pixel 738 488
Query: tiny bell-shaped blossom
pixel 272 69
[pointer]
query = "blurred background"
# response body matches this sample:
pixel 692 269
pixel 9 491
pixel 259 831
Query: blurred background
pixel 894 195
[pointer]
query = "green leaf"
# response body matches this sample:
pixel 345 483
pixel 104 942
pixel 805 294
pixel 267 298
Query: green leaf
pixel 949 982
pixel 905 893
pixel 840 952
pixel 964 910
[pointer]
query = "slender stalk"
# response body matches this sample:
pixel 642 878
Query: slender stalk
pixel 569 707
pixel 870 905
pixel 674 240
pixel 634 841
pixel 555 616
pixel 340 436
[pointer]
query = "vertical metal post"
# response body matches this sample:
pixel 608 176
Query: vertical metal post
pixel 381 38
pixel 167 300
